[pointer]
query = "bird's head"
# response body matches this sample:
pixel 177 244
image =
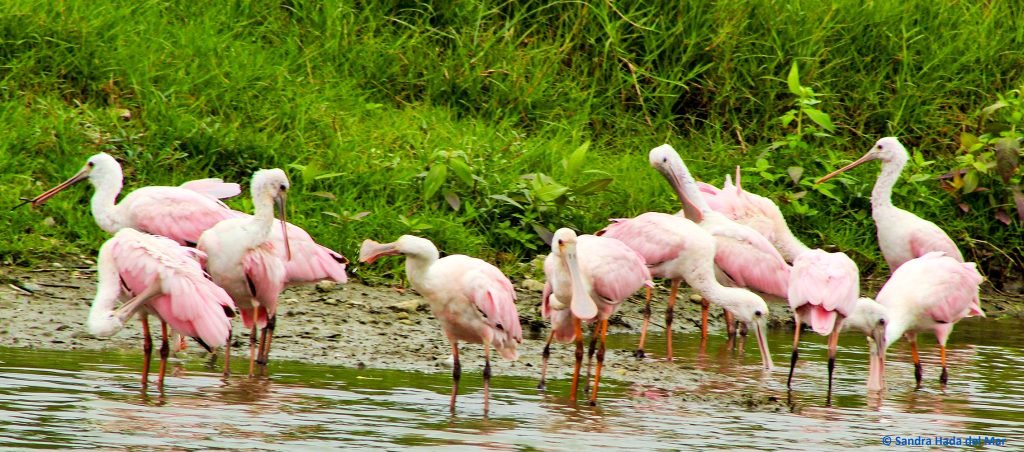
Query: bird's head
pixel 98 170
pixel 408 245
pixel 563 245
pixel 667 161
pixel 871 318
pixel 749 308
pixel 888 149
pixel 272 185
pixel 563 242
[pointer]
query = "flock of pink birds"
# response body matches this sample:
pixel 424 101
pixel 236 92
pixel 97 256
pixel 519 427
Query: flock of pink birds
pixel 183 256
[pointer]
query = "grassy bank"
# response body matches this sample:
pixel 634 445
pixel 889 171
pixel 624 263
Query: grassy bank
pixel 390 114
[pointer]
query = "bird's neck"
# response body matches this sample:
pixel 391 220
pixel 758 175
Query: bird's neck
pixel 417 266
pixel 722 295
pixel 898 322
pixel 881 195
pixel 788 245
pixel 104 207
pixel 263 216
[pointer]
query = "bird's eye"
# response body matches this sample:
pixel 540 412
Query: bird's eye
pixel 879 147
pixel 664 160
pixel 757 313
pixel 560 242
pixel 284 187
pixel 90 164
pixel 881 322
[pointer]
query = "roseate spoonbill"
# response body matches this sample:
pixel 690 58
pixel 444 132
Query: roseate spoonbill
pixel 587 278
pixel 931 292
pixel 163 279
pixel 823 289
pixel 902 236
pixel 242 259
pixel 473 300
pixel 677 249
pixel 182 214
pixel 870 317
pixel 743 256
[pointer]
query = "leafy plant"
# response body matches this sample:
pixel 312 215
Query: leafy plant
pixel 804 107
pixel 988 165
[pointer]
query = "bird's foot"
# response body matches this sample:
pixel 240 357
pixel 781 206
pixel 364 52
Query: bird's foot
pixel 639 353
pixel 542 385
pixel 944 377
pixel 592 403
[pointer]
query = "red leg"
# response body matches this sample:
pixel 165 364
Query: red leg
pixel 147 348
pixel 704 308
pixel 252 342
pixel 579 358
pixel 165 351
pixel 944 377
pixel 918 373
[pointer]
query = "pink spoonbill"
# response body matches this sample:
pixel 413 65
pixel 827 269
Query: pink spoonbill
pixel 870 318
pixel 242 259
pixel 677 249
pixel 902 236
pixel 587 278
pixel 164 279
pixel 743 256
pixel 473 300
pixel 182 214
pixel 931 292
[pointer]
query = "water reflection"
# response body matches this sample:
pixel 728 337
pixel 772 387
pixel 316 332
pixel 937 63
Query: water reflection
pixel 92 399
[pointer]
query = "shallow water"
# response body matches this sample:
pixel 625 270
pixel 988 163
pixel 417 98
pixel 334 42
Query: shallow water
pixel 93 399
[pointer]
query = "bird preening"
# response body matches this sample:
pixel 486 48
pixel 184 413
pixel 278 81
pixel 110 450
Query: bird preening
pixel 181 255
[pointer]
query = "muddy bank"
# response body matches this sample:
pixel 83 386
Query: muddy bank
pixel 357 325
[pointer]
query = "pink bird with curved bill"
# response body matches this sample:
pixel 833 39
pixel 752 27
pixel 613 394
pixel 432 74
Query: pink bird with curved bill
pixel 743 257
pixel 902 236
pixel 163 279
pixel 241 258
pixel 183 213
pixel 677 249
pixel 588 277
pixel 472 299
pixel 931 292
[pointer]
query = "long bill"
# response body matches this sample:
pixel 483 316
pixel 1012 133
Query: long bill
pixel 42 198
pixel 856 163
pixel 370 251
pixel 876 360
pixel 672 167
pixel 282 212
pixel 582 306
pixel 762 343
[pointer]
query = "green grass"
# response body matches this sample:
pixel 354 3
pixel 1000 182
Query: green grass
pixel 368 95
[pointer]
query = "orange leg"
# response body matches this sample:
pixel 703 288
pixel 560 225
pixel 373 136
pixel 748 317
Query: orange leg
pixel 704 308
pixel 544 362
pixel 668 318
pixel 252 342
pixel 165 351
pixel 796 343
pixel 643 330
pixel 730 324
pixel 456 373
pixel 603 328
pixel 918 372
pixel 147 348
pixel 944 377
pixel 833 344
pixel 268 337
pixel 487 375
pixel 579 358
pixel 590 354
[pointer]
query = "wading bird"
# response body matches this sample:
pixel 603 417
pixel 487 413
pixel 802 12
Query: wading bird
pixel 587 278
pixel 163 279
pixel 870 317
pixel 902 236
pixel 242 259
pixel 931 292
pixel 182 214
pixel 473 300
pixel 744 257
pixel 677 249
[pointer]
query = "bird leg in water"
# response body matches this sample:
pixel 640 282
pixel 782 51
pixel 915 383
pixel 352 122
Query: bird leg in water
pixel 578 337
pixel 590 355
pixel 833 343
pixel 918 373
pixel 165 351
pixel 603 328
pixel 544 362
pixel 147 349
pixel 252 341
pixel 944 377
pixel 730 324
pixel 704 308
pixel 796 354
pixel 668 318
pixel 227 356
pixel 456 373
pixel 487 375
pixel 643 330
pixel 266 339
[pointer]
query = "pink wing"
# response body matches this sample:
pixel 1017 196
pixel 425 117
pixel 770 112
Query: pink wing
pixel 750 260
pixel 266 277
pixel 214 188
pixel 496 298
pixel 954 291
pixel 646 236
pixel 616 271
pixel 830 282
pixel 925 240
pixel 192 304
pixel 176 213
pixel 310 262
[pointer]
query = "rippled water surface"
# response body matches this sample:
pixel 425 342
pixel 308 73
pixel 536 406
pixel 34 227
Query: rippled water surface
pixel 93 399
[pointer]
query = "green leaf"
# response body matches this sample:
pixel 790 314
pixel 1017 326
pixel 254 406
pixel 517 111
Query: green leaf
pixel 453 200
pixel 461 170
pixel 795 172
pixel 328 176
pixel 971 181
pixel 820 117
pixel 1007 158
pixel 434 180
pixel 794 81
pixel 548 191
pixel 508 200
pixel 967 141
pixel 576 159
pixel 593 186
